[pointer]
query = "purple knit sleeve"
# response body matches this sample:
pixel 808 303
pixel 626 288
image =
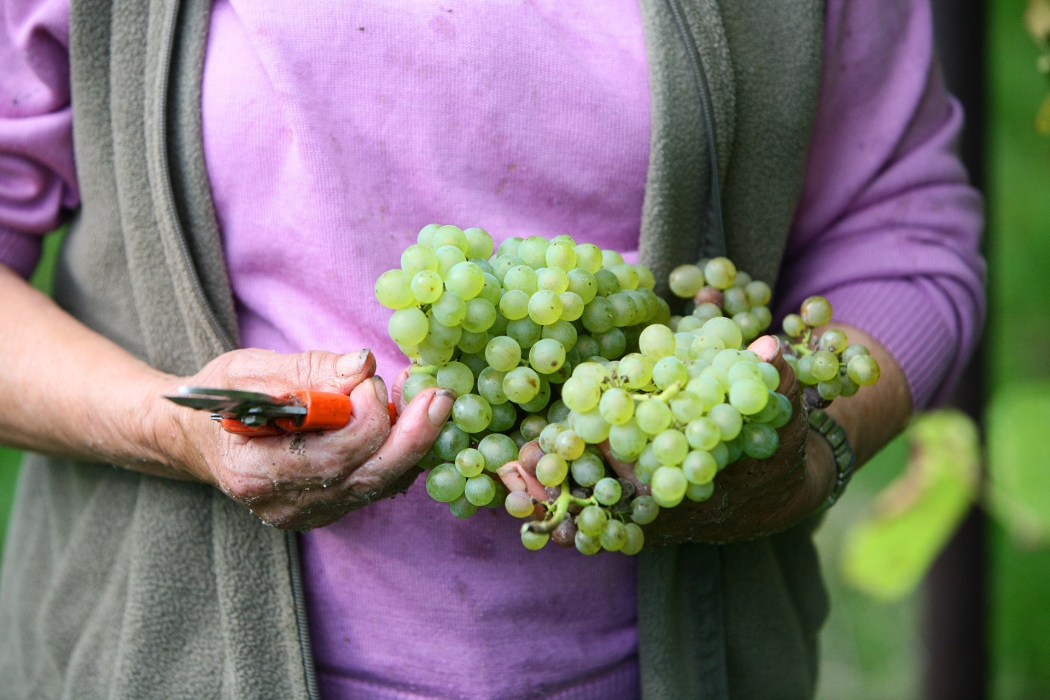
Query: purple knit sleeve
pixel 888 226
pixel 37 175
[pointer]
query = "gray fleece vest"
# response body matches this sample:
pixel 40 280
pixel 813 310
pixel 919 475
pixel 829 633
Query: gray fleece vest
pixel 121 585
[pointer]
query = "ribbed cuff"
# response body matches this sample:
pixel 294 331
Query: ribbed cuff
pixel 20 251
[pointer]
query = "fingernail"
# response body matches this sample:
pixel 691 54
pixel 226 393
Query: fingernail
pixel 380 386
pixel 441 406
pixel 352 363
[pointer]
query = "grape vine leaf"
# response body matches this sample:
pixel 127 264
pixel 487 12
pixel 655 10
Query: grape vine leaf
pixel 888 551
pixel 1018 454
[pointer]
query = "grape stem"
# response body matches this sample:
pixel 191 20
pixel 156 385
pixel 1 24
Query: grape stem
pixel 423 369
pixel 557 511
pixel 664 395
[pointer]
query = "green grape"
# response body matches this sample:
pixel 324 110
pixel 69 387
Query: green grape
pixel 519 504
pixel 608 284
pixel 503 264
pixel 645 278
pixel 501 495
pixel 563 332
pixel 477 364
pixel 708 340
pixel 547 355
pixel 611 343
pixel 588 470
pixel 434 354
pixel 635 370
pixel 534 541
pixel 450 441
pixel 430 460
pixel 834 341
pixel 589 257
pixel 417 383
pixel 720 273
pixel 728 419
pixel 490 386
pixel 499 327
pixel 485 266
pixel 545 307
pixel 522 278
pixel 718 374
pixel 471 413
pixel 794 326
pixel 824 365
pixel 735 301
pixel 504 415
pixel 727 358
pixel 450 309
pixel 644 510
pixel 608 491
pixel 862 370
pixel 587 346
pixel 699 467
pixel 721 455
pixel 770 375
pixel 497 449
pixel 749 396
pixel 646 465
pixel 651 301
pixel 616 406
pixel 457 377
pixel 521 385
pixel 509 246
pixel 581 394
pixel 670 447
pixel 628 440
pixel 689 324
pixel 852 351
pixel 598 315
pixel 532 427
pixel 561 255
pixel 426 234
pixel 758 293
pixel 683 346
pixel 552 279
pixel 685 281
pixel 626 274
pixel 769 412
pixel 763 315
pixel 533 251
pixel 503 353
pixel 687 406
pixel 470 462
pixel 669 371
pixel 585 544
pixel 471 343
pixel 657 342
pixel 441 336
pixel 480 316
pixel 591 521
pixel 465 279
pixel 816 311
pixel 569 445
pixel 583 283
pixel 462 508
pixel 610 259
pixel 749 326
pixel 734 449
pixel 784 411
pixel 804 370
pixel 448 257
pixel 408 326
pixel 830 390
pixel 558 412
pixel 760 441
pixel 698 493
pixel 394 289
pixel 572 306
pixel 653 416
pixel 445 484
pixel 542 398
pixel 551 470
pixel 695 368
pixel 614 536
pixel 725 329
pixel 708 389
pixel 492 290
pixel 549 435
pixel 450 236
pixel 479 243
pixel 668 486
pixel 849 387
pixel 707 311
pixel 623 308
pixel 480 489
pixel 592 427
pixel 703 434
pixel 525 331
pixel 635 540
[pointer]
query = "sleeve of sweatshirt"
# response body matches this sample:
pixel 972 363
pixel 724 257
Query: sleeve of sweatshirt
pixel 37 175
pixel 888 227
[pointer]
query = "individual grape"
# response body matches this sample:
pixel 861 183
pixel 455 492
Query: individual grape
pixel 448 257
pixel 591 520
pixel 708 389
pixel 616 406
pixel 824 365
pixel 477 364
pixel 610 259
pixel 591 427
pixel 670 447
pixel 703 434
pixel 687 406
pixel 586 346
pixel 628 440
pixel 614 536
pixel 635 540
pixel 565 534
pixel 563 332
pixel 849 387
pixel 585 544
pixel 408 326
pixel 521 385
pixel 742 279
pixel 635 370
pixel 794 326
pixel 834 341
pixel 624 309
pixel 479 243
pixel 450 309
pixel 470 462
pixel 480 316
pixel 708 340
pixel 735 301
pixel 588 257
pixel 583 283
pixel 519 504
pixel 706 311
pixel 457 377
pixel 718 374
pixel 699 467
pixel 748 396
pixel 445 484
pixel 462 508
pixel 451 441
pixel 626 275
pixel 504 264
pixel 490 386
pixel 830 390
pixel 504 415
pixel 492 289
pixel 750 328
pixel 471 343
pixel 863 370
pixel 432 354
pixel 816 311
pixel 552 279
pixel 503 353
pixel 725 329
pixel 657 342
pixel 769 412
pixel 784 411
pixel 698 493
pixel 500 497
pixel 534 541
pixel 758 293
pixel 598 315
pixel 426 234
pixel 852 351
pixel 480 489
pixel 608 491
pixel 572 306
pixel 394 289
pixel 744 370
pixel 533 251
pixel 415 384
pixel 608 283
pixel 499 326
pixel 728 419
pixel 764 317
pixel 430 460
pixel 558 412
pixel 689 324
pixel 770 375
pixel 685 281
pixel 653 416
pixel 532 427
pixel 465 279
pixel 561 255
pixel 547 355
pixel 760 441
pixel 525 331
pixel 509 246
pixel 441 336
pixel 644 510
pixel 471 413
pixel 569 445
pixel 668 486
pixel 646 465
pixel 450 236
pixel 683 346
pixel 521 278
pixel 588 470
pixel 549 436
pixel 410 351
pixel 497 449
pixel 611 344
pixel 804 370
pixel 581 393
pixel 720 273
pixel 721 453
pixel 669 371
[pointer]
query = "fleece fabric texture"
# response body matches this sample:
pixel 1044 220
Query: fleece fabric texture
pixel 121 585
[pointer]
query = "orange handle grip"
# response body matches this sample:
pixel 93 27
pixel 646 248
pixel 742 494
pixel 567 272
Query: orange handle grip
pixel 324 411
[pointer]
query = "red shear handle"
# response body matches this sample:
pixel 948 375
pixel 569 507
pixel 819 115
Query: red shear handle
pixel 324 411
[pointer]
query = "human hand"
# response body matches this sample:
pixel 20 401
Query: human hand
pixel 300 481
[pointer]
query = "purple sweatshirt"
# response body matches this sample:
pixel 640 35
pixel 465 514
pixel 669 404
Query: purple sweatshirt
pixel 334 131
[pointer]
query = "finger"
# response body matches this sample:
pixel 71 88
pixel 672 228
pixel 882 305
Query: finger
pixel 508 474
pixel 274 373
pixel 769 349
pixel 410 438
pixel 532 485
pixel 624 470
pixel 397 394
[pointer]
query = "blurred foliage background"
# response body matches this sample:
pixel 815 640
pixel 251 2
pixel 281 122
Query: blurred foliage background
pixel 874 649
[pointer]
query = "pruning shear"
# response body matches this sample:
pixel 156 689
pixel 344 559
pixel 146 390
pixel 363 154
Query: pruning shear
pixel 255 414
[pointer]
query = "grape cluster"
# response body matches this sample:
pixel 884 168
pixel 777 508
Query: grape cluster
pixel 558 351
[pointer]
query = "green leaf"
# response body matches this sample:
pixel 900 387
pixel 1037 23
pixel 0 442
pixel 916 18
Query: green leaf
pixel 1018 461
pixel 888 551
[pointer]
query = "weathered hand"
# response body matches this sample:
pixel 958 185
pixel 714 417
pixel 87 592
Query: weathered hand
pixel 302 480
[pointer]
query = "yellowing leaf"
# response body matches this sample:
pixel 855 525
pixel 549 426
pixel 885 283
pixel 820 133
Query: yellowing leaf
pixel 1018 421
pixel 1037 17
pixel 1042 118
pixel 887 552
